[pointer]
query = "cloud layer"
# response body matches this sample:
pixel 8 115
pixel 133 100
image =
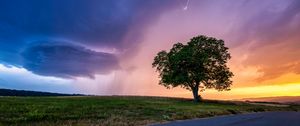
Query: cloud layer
pixel 272 38
pixel 62 60
pixel 73 38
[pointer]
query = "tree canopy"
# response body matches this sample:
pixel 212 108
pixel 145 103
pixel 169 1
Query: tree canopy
pixel 201 63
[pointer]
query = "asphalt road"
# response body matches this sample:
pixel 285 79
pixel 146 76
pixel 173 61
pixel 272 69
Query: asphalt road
pixel 254 119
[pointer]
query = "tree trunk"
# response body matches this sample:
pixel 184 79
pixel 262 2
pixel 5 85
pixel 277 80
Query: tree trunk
pixel 196 95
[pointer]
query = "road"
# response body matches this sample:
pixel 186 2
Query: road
pixel 253 119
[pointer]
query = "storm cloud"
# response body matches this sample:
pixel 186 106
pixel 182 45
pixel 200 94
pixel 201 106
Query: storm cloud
pixel 29 31
pixel 94 22
pixel 62 60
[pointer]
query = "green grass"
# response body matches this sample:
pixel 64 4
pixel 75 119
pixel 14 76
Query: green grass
pixel 115 110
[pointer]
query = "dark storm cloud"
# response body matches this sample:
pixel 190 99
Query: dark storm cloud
pixel 63 60
pixel 113 24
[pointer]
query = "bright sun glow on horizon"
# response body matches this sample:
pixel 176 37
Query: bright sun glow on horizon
pixel 249 92
pixel 260 91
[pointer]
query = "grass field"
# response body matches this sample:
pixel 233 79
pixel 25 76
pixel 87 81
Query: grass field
pixel 115 110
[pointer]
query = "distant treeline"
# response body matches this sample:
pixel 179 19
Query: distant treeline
pixel 10 92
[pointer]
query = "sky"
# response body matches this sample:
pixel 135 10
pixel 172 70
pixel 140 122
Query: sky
pixel 106 47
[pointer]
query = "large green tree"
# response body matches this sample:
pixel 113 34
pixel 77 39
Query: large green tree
pixel 199 64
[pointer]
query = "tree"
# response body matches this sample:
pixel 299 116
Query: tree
pixel 200 64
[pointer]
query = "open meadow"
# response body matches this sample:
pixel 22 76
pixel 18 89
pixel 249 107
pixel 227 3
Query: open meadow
pixel 116 110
